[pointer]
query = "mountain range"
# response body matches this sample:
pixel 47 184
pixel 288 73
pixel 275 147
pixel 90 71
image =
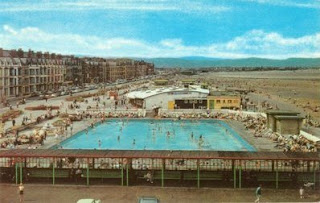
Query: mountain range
pixel 204 62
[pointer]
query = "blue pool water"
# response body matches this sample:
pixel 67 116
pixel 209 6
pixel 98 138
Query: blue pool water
pixel 149 134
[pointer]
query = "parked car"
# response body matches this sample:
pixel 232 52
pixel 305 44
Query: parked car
pixel 89 201
pixel 41 96
pixel 148 200
pixel 63 93
pixel 34 94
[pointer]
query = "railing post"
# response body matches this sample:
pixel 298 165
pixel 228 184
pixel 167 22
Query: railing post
pixel 20 172
pixel 122 173
pixel 53 171
pixel 198 174
pixel 277 176
pixel 234 176
pixel 127 174
pixel 162 174
pixel 16 166
pixel 88 172
pixel 240 176
pixel 314 175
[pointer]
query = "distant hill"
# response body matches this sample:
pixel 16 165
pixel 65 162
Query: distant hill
pixel 203 62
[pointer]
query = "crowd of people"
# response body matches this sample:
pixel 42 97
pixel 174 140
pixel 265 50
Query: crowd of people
pixel 258 126
pixel 294 143
pixel 92 107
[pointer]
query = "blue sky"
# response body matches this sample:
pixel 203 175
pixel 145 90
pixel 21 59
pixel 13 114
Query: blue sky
pixel 163 28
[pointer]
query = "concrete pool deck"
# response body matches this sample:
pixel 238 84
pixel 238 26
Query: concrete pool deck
pixel 160 134
pixel 260 143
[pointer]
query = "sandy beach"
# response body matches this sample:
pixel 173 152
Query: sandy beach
pixel 288 90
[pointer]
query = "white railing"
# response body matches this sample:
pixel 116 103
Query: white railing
pixel 206 113
pixel 137 112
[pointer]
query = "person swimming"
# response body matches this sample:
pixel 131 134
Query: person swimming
pixel 201 139
pixel 192 135
pixel 168 133
pixel 118 138
pixel 99 143
pixel 134 141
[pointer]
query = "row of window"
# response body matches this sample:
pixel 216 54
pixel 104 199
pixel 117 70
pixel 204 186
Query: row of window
pixel 168 164
pixel 226 101
pixel 193 101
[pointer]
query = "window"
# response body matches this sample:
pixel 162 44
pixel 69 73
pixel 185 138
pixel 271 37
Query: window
pixel 146 164
pixel 181 164
pixel 229 101
pixel 218 101
pixel 224 101
pixel 215 164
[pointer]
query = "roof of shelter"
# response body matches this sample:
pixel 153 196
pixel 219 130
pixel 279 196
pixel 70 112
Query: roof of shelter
pixel 81 153
pixel 142 94
pixel 223 93
pixel 289 117
pixel 279 112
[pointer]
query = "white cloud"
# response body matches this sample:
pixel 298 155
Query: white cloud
pixel 139 5
pixel 9 30
pixel 314 4
pixel 255 43
pixel 171 42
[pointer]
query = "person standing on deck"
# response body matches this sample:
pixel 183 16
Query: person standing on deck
pixel 301 192
pixel 258 194
pixel 21 189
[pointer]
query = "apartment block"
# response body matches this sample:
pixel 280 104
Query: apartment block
pixel 22 73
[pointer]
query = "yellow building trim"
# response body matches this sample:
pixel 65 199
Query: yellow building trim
pixel 170 104
pixel 221 102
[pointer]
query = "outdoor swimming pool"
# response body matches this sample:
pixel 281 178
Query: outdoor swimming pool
pixel 149 134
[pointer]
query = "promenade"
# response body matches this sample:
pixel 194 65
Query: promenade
pixel 68 194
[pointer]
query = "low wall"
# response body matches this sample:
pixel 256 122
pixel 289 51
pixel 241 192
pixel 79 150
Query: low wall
pixel 139 112
pixel 310 137
pixel 204 112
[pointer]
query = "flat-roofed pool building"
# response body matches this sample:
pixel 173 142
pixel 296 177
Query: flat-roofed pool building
pixel 161 82
pixel 271 120
pixel 169 98
pixel 284 122
pixel 288 124
pixel 224 100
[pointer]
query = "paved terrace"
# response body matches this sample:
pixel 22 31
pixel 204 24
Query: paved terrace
pixel 68 194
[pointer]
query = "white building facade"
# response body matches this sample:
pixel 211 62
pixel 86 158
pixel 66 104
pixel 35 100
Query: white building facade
pixel 165 97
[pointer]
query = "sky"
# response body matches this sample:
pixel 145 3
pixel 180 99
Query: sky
pixel 275 29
